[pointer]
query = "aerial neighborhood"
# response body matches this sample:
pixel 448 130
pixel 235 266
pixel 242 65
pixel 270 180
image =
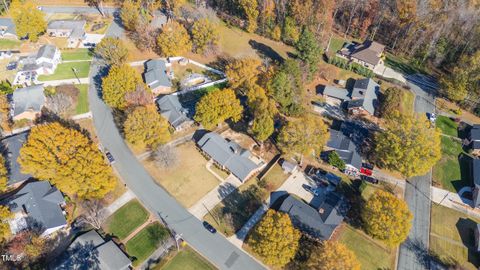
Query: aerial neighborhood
pixel 249 134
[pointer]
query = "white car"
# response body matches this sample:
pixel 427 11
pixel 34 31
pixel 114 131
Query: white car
pixel 432 117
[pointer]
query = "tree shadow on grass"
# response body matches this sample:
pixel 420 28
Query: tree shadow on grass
pixel 48 116
pixel 266 51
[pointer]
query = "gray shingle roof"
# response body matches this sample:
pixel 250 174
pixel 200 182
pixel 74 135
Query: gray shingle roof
pixel 76 26
pixel 367 90
pixel 156 74
pixel 47 51
pixel 8 25
pixel 475 136
pixel 475 170
pixel 319 224
pixel 91 251
pixel 41 202
pixel 11 149
pixel 369 52
pixel 345 148
pixel 228 154
pixel 28 98
pixel 171 108
pixel 332 91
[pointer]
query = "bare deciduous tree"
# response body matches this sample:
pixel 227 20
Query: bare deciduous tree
pixel 94 213
pixel 59 103
pixel 144 36
pixel 165 156
pixel 139 97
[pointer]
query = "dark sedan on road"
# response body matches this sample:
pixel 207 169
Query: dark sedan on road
pixel 209 227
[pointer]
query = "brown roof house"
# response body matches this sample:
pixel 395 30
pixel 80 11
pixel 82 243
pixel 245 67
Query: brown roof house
pixel 368 54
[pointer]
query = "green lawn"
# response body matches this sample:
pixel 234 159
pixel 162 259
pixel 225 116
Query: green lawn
pixel 402 65
pixel 145 242
pixel 64 71
pixel 186 259
pixel 77 54
pixel 452 237
pixel 336 43
pixel 9 44
pixel 370 253
pixel 126 219
pixel 451 172
pixel 447 125
pixel 82 102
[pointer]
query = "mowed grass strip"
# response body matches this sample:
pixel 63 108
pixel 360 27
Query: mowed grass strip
pixel 187 259
pixel 126 219
pixel 82 102
pixel 65 71
pixel 77 55
pixel 452 171
pixel 9 44
pixel 447 126
pixel 145 242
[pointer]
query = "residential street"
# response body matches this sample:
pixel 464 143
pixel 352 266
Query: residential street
pixel 214 247
pixel 412 253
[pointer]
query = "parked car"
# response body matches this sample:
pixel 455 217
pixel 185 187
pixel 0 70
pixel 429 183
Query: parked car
pixel 311 171
pixel 369 179
pixel 209 227
pixel 12 65
pixel 432 117
pixel 365 171
pixel 311 189
pixel 109 157
pixel 368 166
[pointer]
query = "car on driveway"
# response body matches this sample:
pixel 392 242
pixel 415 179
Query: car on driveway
pixel 432 117
pixel 311 189
pixel 369 179
pixel 209 227
pixel 109 157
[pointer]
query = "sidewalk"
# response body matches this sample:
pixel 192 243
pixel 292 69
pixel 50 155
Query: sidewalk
pixel 67 81
pixel 122 200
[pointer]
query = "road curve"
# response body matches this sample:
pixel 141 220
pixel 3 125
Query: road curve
pixel 216 248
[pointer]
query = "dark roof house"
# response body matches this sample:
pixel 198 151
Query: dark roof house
pixel 156 74
pixel 41 204
pixel 319 223
pixel 91 251
pixel 475 170
pixel 336 92
pixel 365 95
pixel 171 109
pixel 368 52
pixel 7 27
pixel 229 155
pixel 345 148
pixel 11 149
pixel 475 137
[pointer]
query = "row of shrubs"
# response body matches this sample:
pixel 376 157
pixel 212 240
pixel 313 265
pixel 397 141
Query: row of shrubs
pixel 357 68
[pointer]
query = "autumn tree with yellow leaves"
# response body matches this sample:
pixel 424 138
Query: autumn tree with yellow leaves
pixel 68 159
pixel 5 214
pixel 174 40
pixel 120 81
pixel 205 34
pixel 263 109
pixel 408 145
pixel 332 255
pixel 112 51
pixel 218 106
pixel 3 174
pixel 387 218
pixel 29 20
pixel 242 71
pixel 145 127
pixel 275 239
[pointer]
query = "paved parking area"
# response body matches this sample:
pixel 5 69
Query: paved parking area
pixel 294 185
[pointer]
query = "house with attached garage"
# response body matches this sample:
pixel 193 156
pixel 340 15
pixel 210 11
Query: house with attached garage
pixel 230 156
pixel 10 148
pixel 172 110
pixel 156 76
pixel 475 174
pixel 347 151
pixel 473 140
pixel 37 206
pixel 368 54
pixel 73 30
pixel 45 61
pixel 7 28
pixel 27 102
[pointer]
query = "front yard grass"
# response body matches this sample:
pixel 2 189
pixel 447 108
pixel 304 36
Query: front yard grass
pixel 190 180
pixel 82 102
pixel 452 237
pixel 77 55
pixel 232 212
pixel 126 219
pixel 451 172
pixel 336 43
pixel 186 259
pixel 9 44
pixel 65 71
pixel 372 254
pixel 447 126
pixel 402 65
pixel 145 242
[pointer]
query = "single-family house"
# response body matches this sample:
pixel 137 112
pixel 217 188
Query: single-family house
pixel 172 110
pixel 347 151
pixel 44 62
pixel 73 30
pixel 228 155
pixel 156 76
pixel 37 206
pixel 320 223
pixel 10 148
pixel 368 54
pixel 474 139
pixel 27 102
pixel 7 28
pixel 475 172
pixel 91 251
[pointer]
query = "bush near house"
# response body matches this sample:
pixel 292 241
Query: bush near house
pixel 344 64
pixel 335 160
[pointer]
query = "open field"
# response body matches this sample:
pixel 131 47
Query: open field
pixel 452 237
pixel 9 44
pixel 65 71
pixel 186 259
pixel 229 215
pixel 82 102
pixel 145 242
pixel 402 65
pixel 187 186
pixel 77 54
pixel 452 171
pixel 126 219
pixel 372 254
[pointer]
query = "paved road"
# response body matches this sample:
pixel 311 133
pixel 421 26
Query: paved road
pixel 413 252
pixel 214 247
